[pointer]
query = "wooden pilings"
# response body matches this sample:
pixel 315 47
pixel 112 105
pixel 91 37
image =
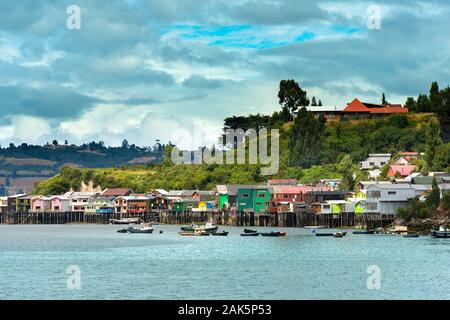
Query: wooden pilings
pixel 280 219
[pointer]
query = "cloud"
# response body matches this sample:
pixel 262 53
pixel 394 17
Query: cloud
pixel 139 69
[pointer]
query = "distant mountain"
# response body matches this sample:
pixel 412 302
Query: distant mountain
pixel 21 167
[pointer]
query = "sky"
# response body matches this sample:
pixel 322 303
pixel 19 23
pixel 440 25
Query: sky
pixel 143 70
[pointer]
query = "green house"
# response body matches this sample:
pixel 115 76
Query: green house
pixel 261 199
pixel 181 205
pixel 245 198
pixel 360 207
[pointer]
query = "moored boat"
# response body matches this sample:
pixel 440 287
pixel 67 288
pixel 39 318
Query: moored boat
pixel 124 221
pixel 411 235
pixel 193 233
pixel 122 231
pixel 364 232
pixel 442 232
pixel 251 234
pixel 142 228
pixel 339 234
pixel 330 234
pixel 273 234
pixel 249 231
pixel 314 227
pixel 220 234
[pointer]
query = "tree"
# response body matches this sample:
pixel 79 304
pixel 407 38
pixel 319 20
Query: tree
pixel 432 142
pixel 435 98
pixel 66 142
pixel 320 103
pixel 313 102
pixel 55 142
pixel 305 143
pixel 411 104
pixel 423 103
pixel 125 144
pixel 445 201
pixel 433 198
pixel 383 99
pixel 291 97
pixel 345 168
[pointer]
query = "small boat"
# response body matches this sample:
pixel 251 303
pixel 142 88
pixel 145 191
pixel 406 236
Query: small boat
pixel 220 234
pixel 338 234
pixel 124 221
pixel 330 234
pixel 209 228
pixel 252 234
pixel 122 231
pixel 250 231
pixel 411 235
pixel 142 228
pixel 314 227
pixel 364 232
pixel 193 234
pixel 273 234
pixel 442 232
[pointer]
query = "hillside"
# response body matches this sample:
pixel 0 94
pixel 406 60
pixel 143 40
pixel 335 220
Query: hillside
pixel 22 166
pixel 356 137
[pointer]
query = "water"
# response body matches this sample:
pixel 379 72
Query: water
pixel 34 261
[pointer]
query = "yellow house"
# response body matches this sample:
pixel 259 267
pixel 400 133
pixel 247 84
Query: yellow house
pixel 360 195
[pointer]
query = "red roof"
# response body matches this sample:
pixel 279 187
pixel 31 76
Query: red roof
pixel 120 192
pixel 403 170
pixel 356 106
pixel 359 107
pixel 408 153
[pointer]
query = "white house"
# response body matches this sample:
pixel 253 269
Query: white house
pixel 387 198
pixel 80 200
pixel 375 160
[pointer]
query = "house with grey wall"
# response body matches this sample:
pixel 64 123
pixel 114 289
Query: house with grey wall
pixel 375 160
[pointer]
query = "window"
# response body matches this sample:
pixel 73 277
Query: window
pixel 371 205
pixel 383 163
pixel 261 195
pixel 392 192
pixel 374 194
pixel 371 163
pixel 244 195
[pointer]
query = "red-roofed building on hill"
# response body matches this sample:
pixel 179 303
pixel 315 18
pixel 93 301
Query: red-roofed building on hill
pixel 119 192
pixel 358 109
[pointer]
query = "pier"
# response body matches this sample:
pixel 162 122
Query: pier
pixel 245 219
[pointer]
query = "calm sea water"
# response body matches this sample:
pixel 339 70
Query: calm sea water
pixel 34 262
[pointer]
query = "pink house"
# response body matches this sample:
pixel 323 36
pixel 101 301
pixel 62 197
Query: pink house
pixel 60 204
pixel 402 170
pixel 40 203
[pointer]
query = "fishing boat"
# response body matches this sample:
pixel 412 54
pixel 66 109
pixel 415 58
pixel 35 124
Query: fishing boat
pixel 250 231
pixel 364 232
pixel 208 227
pixel 220 234
pixel 142 228
pixel 442 232
pixel 273 234
pixel 251 234
pixel 124 221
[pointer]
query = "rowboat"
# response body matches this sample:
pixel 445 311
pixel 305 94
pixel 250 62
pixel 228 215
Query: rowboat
pixel 193 234
pixel 124 221
pixel 442 232
pixel 338 234
pixel 249 231
pixel 253 234
pixel 220 234
pixel 122 231
pixel 364 232
pixel 330 234
pixel 142 228
pixel 273 234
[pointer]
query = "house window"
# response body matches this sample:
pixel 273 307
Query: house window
pixel 261 195
pixel 374 194
pixel 371 163
pixel 245 195
pixel 383 163
pixel 392 192
pixel 371 205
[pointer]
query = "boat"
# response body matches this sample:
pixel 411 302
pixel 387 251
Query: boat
pixel 220 234
pixel 193 233
pixel 252 234
pixel 314 227
pixel 208 227
pixel 442 232
pixel 142 228
pixel 124 221
pixel 330 234
pixel 364 232
pixel 338 234
pixel 411 235
pixel 122 231
pixel 250 231
pixel 273 234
